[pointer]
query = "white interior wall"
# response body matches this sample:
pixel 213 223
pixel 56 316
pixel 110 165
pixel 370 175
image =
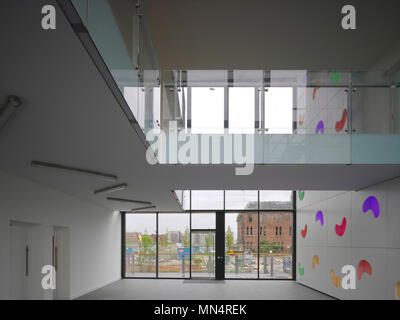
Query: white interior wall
pixel 95 233
pixel 376 240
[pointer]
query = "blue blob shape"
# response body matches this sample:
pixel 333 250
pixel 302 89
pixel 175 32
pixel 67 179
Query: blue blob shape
pixel 320 217
pixel 320 127
pixel 372 203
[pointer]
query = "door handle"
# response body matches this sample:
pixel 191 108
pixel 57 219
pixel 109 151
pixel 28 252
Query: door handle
pixel 55 258
pixel 27 261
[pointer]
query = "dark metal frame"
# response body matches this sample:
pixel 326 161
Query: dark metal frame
pixel 220 211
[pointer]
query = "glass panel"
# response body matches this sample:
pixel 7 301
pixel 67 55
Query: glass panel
pixel 135 98
pixel 241 199
pixel 203 254
pixel 241 110
pixel 183 197
pixel 207 110
pixel 271 200
pixel 276 240
pixel 140 237
pixel 203 220
pixel 279 110
pixel 375 124
pixel 207 199
pixel 241 245
pixel 173 245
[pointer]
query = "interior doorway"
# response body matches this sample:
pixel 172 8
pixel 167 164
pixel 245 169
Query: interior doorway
pixel 26 257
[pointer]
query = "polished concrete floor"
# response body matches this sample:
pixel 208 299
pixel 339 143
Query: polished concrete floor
pixel 165 289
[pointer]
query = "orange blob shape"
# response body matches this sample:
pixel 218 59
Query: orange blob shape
pixel 336 281
pixel 315 260
pixel 315 91
pixel 301 119
pixel 397 290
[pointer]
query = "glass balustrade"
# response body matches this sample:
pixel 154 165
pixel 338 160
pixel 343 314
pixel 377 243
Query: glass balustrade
pixel 238 116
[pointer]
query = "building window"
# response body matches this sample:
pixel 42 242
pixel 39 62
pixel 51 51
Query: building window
pixel 247 231
pixel 249 217
pixel 251 230
pixel 290 231
pixel 276 231
pixel 280 231
pixel 265 230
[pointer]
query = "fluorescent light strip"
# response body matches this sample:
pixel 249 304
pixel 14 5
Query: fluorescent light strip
pixel 128 200
pixel 142 208
pixel 47 165
pixel 119 187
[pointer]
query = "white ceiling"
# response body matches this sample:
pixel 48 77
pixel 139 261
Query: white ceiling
pixel 70 117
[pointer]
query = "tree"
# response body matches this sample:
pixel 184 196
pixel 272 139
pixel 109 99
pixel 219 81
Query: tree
pixel 147 242
pixel 229 239
pixel 164 241
pixel 266 247
pixel 186 238
pixel 209 241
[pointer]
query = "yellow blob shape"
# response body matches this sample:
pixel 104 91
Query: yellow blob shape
pixel 301 119
pixel 336 281
pixel 315 260
pixel 397 290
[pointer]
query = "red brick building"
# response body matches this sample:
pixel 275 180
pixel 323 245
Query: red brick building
pixel 275 227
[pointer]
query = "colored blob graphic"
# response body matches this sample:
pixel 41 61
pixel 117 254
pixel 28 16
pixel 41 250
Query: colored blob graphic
pixel 320 127
pixel 397 291
pixel 336 281
pixel 363 267
pixel 372 203
pixel 315 261
pixel 305 77
pixel 301 194
pixel 320 217
pixel 340 124
pixel 340 229
pixel 301 119
pixel 336 77
pixel 304 231
pixel 315 91
pixel 301 270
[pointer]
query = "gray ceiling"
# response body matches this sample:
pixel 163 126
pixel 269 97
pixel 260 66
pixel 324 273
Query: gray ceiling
pixel 271 34
pixel 70 117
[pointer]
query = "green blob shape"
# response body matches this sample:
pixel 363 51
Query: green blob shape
pixel 301 194
pixel 336 77
pixel 301 270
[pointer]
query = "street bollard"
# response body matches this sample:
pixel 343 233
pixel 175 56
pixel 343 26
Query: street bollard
pixel 236 264
pixel 265 264
pixel 272 266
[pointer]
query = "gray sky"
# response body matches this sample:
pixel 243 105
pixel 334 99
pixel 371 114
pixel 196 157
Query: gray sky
pixel 206 200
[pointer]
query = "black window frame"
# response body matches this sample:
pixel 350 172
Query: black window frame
pixel 256 211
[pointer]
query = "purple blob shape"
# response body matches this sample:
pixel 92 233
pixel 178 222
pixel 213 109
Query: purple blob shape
pixel 320 127
pixel 305 77
pixel 372 203
pixel 320 216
